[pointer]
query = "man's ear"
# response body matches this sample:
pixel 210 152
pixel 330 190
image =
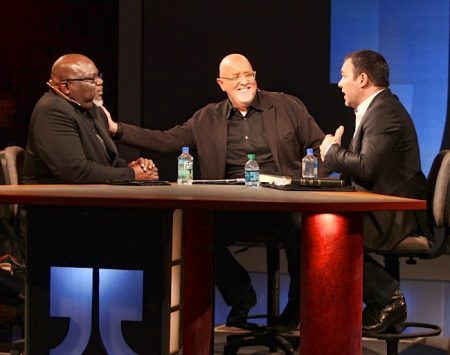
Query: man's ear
pixel 363 79
pixel 64 88
pixel 220 82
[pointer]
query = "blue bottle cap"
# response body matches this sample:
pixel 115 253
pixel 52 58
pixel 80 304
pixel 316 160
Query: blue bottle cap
pixel 185 150
pixel 309 151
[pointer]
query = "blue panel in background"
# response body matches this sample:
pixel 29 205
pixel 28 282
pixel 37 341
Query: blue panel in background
pixel 354 24
pixel 414 39
pixel 405 94
pixel 71 297
pixel 120 299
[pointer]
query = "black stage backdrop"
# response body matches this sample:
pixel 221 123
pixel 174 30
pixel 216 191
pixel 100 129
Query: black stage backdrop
pixel 33 34
pixel 183 43
pixel 288 43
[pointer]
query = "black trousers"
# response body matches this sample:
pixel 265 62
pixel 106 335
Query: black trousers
pixel 231 278
pixel 379 285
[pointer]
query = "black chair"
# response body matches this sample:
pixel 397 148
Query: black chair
pixel 417 247
pixel 266 335
pixel 11 160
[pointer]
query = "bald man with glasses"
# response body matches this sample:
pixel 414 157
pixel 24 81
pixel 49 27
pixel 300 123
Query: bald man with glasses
pixel 68 139
pixel 276 127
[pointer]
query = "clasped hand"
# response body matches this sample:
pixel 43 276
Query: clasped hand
pixel 144 169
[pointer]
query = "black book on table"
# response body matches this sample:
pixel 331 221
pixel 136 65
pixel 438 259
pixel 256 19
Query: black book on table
pixel 317 182
pixel 305 184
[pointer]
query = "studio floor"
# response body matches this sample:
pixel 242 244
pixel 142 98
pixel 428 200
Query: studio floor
pixel 423 346
pixel 420 346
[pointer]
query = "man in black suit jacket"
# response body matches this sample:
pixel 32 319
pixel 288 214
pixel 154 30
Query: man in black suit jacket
pixel 383 157
pixel 68 140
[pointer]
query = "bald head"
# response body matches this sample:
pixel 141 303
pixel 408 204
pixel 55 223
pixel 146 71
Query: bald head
pixel 69 66
pixel 231 61
pixel 237 79
pixel 76 77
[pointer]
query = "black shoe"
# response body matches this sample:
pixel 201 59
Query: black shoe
pixel 289 318
pixel 391 315
pixel 239 312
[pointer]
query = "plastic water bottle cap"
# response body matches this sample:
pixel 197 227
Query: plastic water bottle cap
pixel 251 156
pixel 185 150
pixel 309 151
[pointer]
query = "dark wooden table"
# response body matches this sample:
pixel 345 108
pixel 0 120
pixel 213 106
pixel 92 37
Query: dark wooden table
pixel 331 247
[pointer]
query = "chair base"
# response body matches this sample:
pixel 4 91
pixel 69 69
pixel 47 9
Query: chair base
pixel 405 331
pixel 261 336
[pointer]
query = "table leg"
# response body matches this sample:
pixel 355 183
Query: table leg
pixel 331 284
pixel 198 283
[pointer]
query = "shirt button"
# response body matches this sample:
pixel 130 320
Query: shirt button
pixel 246 137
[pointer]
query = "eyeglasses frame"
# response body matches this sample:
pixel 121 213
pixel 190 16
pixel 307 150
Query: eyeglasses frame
pixel 239 78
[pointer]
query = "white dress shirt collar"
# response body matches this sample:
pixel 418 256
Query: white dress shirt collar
pixel 361 109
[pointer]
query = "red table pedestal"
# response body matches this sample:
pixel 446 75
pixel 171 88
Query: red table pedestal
pixel 330 321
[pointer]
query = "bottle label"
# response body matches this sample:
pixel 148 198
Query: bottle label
pixel 185 170
pixel 251 175
pixel 309 167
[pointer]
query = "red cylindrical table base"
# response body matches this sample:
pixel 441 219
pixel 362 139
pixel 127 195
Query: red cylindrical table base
pixel 331 289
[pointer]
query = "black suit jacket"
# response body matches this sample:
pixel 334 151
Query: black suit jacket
pixel 64 146
pixel 383 157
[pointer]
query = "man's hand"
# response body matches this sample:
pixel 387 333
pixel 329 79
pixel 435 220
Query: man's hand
pixel 112 125
pixel 144 169
pixel 329 140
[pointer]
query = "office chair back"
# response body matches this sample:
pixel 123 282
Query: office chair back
pixel 438 204
pixel 438 210
pixel 439 191
pixel 11 159
pixel 12 165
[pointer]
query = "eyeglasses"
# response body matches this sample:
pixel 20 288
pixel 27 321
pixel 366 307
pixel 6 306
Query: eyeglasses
pixel 238 78
pixel 91 80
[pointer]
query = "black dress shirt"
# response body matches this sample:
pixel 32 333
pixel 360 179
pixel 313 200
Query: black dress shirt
pixel 246 134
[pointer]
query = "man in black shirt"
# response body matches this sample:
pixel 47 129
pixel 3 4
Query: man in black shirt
pixel 277 128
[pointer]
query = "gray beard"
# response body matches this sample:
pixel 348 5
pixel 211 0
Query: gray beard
pixel 98 101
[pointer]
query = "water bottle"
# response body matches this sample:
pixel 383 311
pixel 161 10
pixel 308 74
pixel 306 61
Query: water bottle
pixel 309 165
pixel 251 172
pixel 185 167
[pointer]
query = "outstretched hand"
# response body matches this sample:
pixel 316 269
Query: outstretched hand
pixel 112 125
pixel 329 140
